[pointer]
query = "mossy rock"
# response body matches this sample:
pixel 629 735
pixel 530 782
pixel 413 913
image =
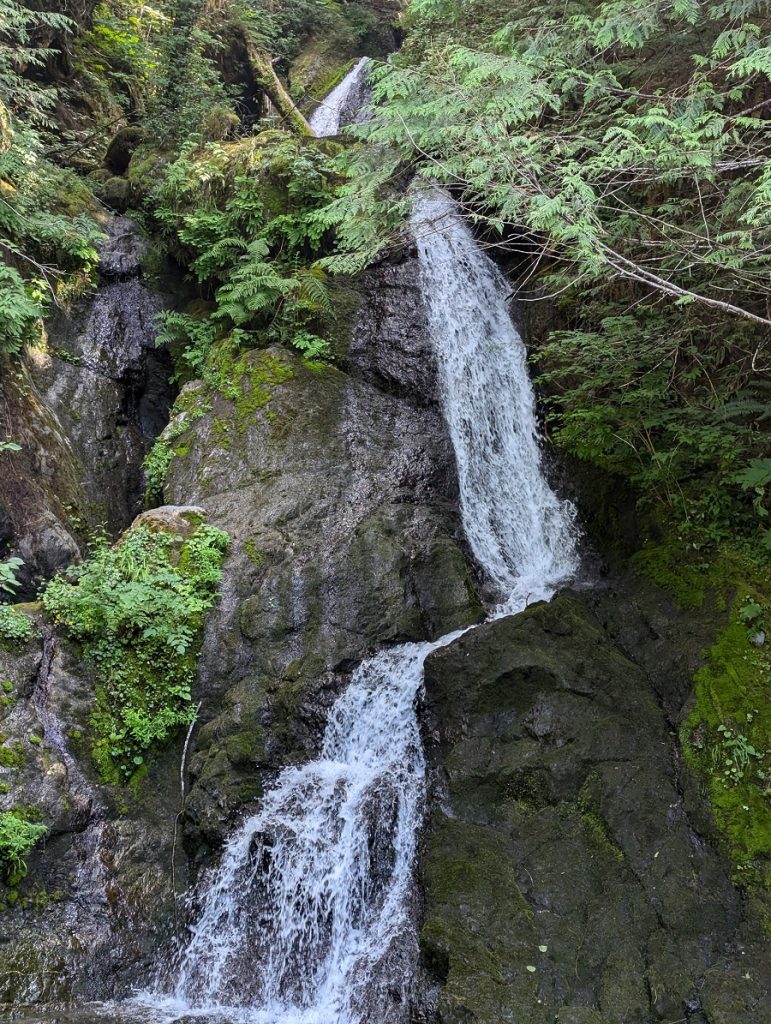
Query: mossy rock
pixel 121 149
pixel 116 193
pixel 561 815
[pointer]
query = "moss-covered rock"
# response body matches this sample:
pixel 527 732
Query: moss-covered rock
pixel 564 873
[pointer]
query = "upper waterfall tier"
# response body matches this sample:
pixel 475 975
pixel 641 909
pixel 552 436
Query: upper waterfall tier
pixel 326 118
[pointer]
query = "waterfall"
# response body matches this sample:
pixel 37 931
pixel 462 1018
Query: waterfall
pixel 520 533
pixel 326 118
pixel 309 918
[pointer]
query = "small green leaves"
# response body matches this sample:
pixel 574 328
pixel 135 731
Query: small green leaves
pixel 137 609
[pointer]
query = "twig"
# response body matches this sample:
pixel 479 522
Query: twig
pixel 182 764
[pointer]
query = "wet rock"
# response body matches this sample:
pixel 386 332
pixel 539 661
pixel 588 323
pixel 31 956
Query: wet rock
pixel 107 383
pixel 390 345
pixel 42 500
pixel 116 193
pixel 121 149
pixel 340 502
pixel 564 876
pixel 85 412
pixel 340 499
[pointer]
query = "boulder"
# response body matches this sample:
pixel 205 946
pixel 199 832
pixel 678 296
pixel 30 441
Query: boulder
pixel 565 876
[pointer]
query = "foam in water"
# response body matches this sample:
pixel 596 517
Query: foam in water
pixel 309 918
pixel 325 119
pixel 519 531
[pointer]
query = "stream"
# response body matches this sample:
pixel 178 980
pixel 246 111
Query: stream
pixel 310 917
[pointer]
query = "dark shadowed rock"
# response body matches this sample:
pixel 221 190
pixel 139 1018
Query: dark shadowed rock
pixel 565 879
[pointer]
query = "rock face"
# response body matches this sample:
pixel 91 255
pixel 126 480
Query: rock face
pixel 107 383
pixel 98 899
pixel 567 871
pixel 338 490
pixel 85 412
pixel 564 876
pixel 41 494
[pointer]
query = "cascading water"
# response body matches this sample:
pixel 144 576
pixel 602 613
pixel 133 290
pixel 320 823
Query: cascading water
pixel 309 919
pixel 326 118
pixel 521 534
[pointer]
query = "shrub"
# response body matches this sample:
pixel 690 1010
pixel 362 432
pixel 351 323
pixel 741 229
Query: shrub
pixel 17 837
pixel 15 627
pixel 137 609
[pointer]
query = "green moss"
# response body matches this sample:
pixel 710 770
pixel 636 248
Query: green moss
pixel 689 579
pixel 252 552
pixel 730 710
pixel 186 410
pixel 731 693
pixel 12 756
pixel 594 824
pixel 259 376
pixel 220 432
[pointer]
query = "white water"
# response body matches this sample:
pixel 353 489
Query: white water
pixel 309 917
pixel 519 531
pixel 325 119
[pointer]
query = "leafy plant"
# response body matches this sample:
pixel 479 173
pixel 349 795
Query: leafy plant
pixel 17 837
pixel 137 609
pixel 734 754
pixel 242 217
pixel 16 628
pixel 619 152
pixel 8 580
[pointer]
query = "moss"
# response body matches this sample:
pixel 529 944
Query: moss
pixel 259 376
pixel 594 823
pixel 12 756
pixel 220 432
pixel 252 552
pixel 690 579
pixel 731 691
pixel 730 710
pixel 730 707
pixel 186 410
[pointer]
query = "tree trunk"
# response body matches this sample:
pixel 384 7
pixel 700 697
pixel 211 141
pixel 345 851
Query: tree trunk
pixel 264 75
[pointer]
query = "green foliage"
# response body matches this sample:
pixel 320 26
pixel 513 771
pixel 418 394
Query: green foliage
pixel 119 54
pixel 243 218
pixel 19 310
pixel 621 152
pixel 137 609
pixel 20 28
pixel 156 466
pixel 16 628
pixel 734 754
pixel 44 230
pixel 17 837
pixel 8 581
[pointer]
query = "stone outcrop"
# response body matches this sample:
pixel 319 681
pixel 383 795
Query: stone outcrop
pixel 565 875
pixel 338 491
pixel 85 411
